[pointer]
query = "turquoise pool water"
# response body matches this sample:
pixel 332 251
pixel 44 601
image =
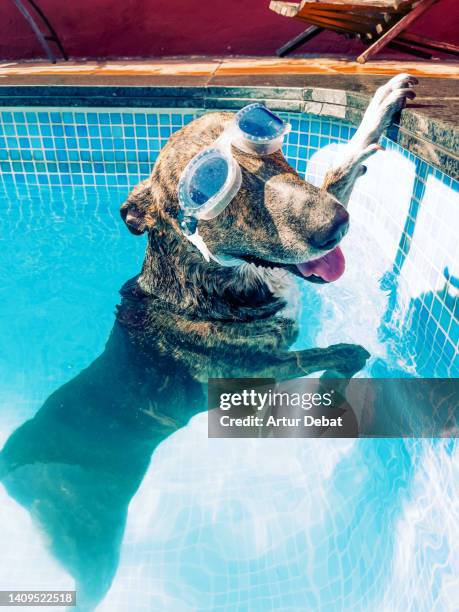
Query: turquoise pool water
pixel 253 525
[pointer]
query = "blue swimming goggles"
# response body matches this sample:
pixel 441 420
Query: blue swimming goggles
pixel 212 178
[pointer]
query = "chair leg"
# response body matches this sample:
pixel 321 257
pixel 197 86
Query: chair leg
pixel 53 34
pixel 401 25
pixel 30 20
pixel 409 49
pixel 299 40
pixel 422 41
pixel 49 36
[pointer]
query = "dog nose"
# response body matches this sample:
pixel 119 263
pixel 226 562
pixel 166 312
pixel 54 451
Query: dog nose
pixel 329 236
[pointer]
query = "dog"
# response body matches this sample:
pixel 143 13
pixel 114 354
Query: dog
pixel 78 462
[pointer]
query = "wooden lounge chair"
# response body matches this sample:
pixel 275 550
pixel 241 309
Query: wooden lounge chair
pixel 378 23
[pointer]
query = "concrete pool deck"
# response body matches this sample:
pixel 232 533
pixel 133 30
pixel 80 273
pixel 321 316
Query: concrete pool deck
pixel 214 66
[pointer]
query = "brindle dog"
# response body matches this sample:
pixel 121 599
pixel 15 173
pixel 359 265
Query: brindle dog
pixel 76 465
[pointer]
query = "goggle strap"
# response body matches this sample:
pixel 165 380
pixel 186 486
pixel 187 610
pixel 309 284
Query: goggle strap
pixel 198 242
pixel 224 141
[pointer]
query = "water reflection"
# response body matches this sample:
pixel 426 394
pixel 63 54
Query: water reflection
pixel 422 286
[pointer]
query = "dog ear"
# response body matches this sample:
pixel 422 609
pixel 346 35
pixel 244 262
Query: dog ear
pixel 135 212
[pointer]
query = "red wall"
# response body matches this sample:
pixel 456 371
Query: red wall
pixel 152 28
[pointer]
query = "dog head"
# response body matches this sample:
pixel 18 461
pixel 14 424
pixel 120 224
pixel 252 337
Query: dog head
pixel 276 220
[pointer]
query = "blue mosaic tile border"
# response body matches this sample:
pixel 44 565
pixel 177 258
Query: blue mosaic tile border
pixel 59 147
pixel 113 147
pixel 64 147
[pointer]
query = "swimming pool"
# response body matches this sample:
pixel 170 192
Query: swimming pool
pixel 309 524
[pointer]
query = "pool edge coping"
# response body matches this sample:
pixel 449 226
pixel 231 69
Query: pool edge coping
pixel 428 138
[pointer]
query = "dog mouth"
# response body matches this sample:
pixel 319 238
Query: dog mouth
pixel 326 269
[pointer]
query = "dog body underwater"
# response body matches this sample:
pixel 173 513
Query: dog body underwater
pixel 77 463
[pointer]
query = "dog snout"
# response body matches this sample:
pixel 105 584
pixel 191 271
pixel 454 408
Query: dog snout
pixel 329 236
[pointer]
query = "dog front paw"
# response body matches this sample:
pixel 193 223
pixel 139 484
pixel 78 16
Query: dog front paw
pixel 388 100
pixel 349 358
pixel 392 97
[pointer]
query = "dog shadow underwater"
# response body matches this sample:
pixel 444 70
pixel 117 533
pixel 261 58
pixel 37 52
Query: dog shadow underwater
pixel 76 465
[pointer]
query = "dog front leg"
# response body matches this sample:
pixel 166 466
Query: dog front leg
pixel 385 104
pixel 338 360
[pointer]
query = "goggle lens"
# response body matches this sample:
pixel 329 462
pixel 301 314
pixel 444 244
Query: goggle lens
pixel 207 180
pixel 213 177
pixel 259 122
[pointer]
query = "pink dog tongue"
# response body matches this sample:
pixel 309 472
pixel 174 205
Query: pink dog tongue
pixel 329 267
